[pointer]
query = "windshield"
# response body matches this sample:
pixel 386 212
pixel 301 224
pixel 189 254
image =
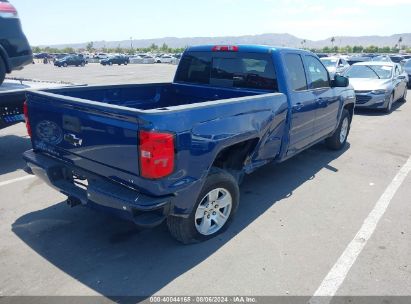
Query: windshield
pixel 369 71
pixel 329 62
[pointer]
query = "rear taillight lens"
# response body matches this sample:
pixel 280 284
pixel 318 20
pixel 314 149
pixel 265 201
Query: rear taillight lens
pixel 7 10
pixel 26 117
pixel 156 154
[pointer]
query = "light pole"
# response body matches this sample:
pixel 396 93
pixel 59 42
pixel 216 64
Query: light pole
pixel 131 42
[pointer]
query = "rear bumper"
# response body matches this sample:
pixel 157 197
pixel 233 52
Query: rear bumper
pixel 145 211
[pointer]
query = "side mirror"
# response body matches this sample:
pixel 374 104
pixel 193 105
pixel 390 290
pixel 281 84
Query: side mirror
pixel 401 77
pixel 340 81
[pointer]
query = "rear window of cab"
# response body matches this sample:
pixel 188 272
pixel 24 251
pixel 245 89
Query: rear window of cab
pixel 228 69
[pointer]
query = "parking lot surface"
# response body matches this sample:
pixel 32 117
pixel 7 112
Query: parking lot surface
pixel 95 73
pixel 294 222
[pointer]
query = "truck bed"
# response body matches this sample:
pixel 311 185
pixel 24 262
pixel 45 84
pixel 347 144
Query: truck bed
pixel 152 96
pixel 96 128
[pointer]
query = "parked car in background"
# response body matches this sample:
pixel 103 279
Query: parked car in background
pixel 141 59
pixel 382 58
pixel 116 59
pixel 100 56
pixel 165 59
pixel 177 151
pixel 68 60
pixel 407 69
pixel 15 50
pixel 43 55
pixel 321 55
pixel 397 59
pixel 378 85
pixel 335 65
pixel 358 58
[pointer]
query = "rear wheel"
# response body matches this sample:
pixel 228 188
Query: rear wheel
pixel 338 140
pixel 212 212
pixel 2 71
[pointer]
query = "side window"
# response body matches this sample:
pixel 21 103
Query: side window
pixel 295 71
pixel 317 72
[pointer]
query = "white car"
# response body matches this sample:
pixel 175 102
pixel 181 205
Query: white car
pixel 335 65
pixel 141 59
pixel 164 59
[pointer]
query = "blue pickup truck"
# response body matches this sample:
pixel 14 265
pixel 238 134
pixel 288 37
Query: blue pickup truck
pixel 177 152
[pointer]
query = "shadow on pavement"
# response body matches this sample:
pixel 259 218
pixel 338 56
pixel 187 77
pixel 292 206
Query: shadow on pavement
pixel 115 259
pixel 11 150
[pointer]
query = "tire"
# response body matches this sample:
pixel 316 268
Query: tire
pixel 125 63
pixel 110 63
pixel 65 64
pixel 339 139
pixel 2 71
pixel 83 64
pixel 388 108
pixel 404 97
pixel 219 184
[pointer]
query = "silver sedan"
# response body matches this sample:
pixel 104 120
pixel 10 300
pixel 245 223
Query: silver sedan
pixel 378 85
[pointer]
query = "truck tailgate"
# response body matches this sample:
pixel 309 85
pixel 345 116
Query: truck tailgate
pixel 84 134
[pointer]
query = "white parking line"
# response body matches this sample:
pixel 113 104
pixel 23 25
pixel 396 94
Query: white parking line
pixel 338 273
pixel 11 181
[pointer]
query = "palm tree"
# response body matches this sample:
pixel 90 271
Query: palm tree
pixel 303 43
pixel 332 41
pixel 399 42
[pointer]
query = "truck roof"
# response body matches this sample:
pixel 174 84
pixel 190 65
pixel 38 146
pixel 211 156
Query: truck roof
pixel 245 48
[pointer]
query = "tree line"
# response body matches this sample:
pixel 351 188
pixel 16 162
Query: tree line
pixel 153 48
pixel 361 49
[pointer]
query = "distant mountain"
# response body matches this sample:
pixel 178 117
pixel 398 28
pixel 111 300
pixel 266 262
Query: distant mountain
pixel 268 39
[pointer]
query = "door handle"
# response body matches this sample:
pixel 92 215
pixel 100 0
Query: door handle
pixel 298 106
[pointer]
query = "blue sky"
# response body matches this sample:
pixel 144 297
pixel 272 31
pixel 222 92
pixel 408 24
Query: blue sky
pixel 54 22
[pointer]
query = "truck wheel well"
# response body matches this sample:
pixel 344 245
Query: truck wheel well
pixel 350 108
pixel 233 157
pixel 3 57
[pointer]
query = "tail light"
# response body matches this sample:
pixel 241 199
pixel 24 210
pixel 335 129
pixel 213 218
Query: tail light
pixel 225 48
pixel 7 10
pixel 26 117
pixel 156 154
